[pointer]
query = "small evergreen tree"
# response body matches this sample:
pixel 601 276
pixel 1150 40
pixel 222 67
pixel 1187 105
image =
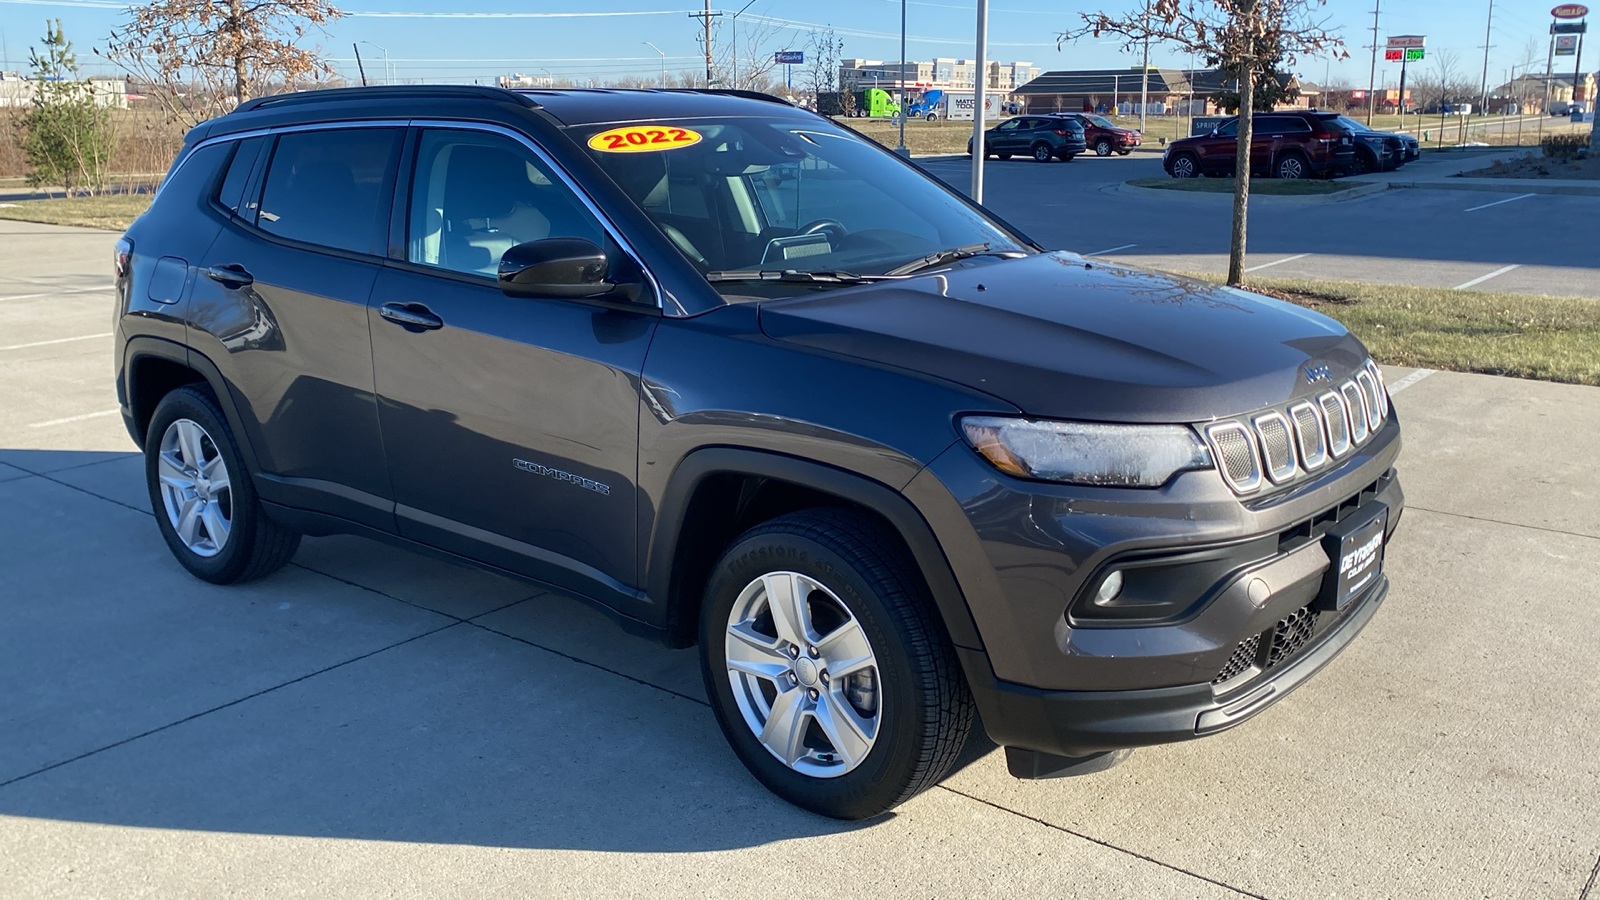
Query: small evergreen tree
pixel 66 134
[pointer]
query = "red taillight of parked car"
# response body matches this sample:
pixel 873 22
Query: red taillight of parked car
pixel 1061 131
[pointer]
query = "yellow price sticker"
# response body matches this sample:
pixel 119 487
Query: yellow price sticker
pixel 643 139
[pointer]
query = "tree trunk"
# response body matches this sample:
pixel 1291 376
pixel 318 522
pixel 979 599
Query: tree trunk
pixel 241 74
pixel 1241 173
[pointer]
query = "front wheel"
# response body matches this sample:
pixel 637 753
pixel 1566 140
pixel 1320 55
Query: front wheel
pixel 1002 156
pixel 204 501
pixel 827 667
pixel 1102 147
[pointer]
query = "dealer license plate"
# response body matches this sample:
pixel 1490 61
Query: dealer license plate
pixel 1356 550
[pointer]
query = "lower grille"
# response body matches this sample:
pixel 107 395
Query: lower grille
pixel 1244 656
pixel 1291 634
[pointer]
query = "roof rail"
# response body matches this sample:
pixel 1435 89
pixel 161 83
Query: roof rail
pixel 333 95
pixel 748 95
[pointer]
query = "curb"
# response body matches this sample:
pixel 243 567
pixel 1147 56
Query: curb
pixel 1314 199
pixel 1503 185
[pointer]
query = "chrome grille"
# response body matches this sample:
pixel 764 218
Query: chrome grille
pixel 1308 435
pixel 1357 410
pixel 1338 423
pixel 1382 390
pixel 1277 450
pixel 1236 451
pixel 1369 397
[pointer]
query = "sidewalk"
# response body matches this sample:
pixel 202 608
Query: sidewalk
pixel 1446 170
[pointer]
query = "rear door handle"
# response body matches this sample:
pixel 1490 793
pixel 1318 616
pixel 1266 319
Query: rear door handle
pixel 413 316
pixel 231 275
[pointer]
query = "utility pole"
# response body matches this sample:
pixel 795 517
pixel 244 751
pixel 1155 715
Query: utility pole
pixel 1372 77
pixel 1488 31
pixel 706 17
pixel 1144 72
pixel 980 87
pixel 904 100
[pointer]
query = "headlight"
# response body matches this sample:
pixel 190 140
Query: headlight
pixel 1086 453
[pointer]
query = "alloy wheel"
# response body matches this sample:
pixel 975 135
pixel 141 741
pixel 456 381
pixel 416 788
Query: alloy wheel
pixel 1183 167
pixel 195 488
pixel 1103 148
pixel 1291 167
pixel 804 675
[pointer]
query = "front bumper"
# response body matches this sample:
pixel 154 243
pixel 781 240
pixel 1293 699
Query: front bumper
pixel 1081 723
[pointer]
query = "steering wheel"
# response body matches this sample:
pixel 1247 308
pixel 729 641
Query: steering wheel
pixel 833 228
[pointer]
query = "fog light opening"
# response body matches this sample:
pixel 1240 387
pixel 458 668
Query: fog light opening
pixel 1110 589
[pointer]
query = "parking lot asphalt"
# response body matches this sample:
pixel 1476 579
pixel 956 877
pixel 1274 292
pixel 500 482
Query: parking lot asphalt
pixel 368 722
pixel 1435 238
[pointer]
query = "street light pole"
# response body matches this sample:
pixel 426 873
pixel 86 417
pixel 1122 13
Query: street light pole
pixel 980 86
pixel 663 61
pixel 735 43
pixel 902 148
pixel 387 79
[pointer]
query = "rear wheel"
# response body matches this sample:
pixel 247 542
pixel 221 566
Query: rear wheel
pixel 1184 165
pixel 1002 156
pixel 1291 165
pixel 204 501
pixel 1364 163
pixel 826 666
pixel 1043 153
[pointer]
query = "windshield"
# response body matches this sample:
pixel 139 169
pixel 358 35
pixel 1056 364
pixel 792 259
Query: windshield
pixel 1352 124
pixel 1101 121
pixel 751 194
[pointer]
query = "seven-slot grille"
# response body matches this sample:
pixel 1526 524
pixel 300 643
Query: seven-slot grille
pixel 1279 448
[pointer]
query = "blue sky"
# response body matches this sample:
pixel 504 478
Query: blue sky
pixel 457 46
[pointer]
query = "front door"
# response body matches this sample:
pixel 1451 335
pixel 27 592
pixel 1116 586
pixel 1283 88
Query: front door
pixel 510 424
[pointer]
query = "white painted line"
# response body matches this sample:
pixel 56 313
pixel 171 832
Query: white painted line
pixel 93 415
pixel 1408 381
pixel 1498 202
pixel 86 337
pixel 109 287
pixel 1112 250
pixel 1481 279
pixel 1277 262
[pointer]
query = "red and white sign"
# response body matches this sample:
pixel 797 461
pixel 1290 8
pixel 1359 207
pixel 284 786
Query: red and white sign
pixel 1570 11
pixel 1407 41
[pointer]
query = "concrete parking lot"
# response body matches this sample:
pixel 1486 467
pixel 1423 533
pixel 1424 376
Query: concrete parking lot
pixel 372 723
pixel 1435 238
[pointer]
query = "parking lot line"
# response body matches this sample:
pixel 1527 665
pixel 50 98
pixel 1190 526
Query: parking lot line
pixel 1112 250
pixel 1482 278
pixel 108 287
pixel 1278 262
pixel 93 415
pixel 1498 202
pixel 85 337
pixel 1409 380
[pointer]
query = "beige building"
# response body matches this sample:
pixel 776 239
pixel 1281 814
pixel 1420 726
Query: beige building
pixel 16 90
pixel 940 73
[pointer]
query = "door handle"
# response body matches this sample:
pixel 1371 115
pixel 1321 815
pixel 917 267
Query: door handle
pixel 231 275
pixel 412 316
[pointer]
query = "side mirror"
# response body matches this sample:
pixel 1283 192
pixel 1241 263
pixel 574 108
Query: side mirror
pixel 558 267
pixel 1216 132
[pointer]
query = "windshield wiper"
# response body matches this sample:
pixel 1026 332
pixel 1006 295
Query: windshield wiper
pixel 941 257
pixel 795 276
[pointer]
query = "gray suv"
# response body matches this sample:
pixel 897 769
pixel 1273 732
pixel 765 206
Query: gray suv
pixel 749 383
pixel 1044 138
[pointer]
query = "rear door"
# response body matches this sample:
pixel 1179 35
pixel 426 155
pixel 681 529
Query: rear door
pixel 280 306
pixel 511 423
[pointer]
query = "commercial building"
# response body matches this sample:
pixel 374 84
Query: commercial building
pixel 1170 91
pixel 16 90
pixel 941 73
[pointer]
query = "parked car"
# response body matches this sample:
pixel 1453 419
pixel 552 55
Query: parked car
pixel 1105 137
pixel 748 382
pixel 1296 144
pixel 1379 151
pixel 1042 137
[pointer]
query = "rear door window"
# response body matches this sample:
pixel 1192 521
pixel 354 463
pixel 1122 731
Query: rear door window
pixel 330 188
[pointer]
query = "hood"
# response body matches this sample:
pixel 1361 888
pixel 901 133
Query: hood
pixel 1060 336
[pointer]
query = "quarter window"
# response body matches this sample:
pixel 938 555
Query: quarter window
pixel 327 187
pixel 231 193
pixel 474 196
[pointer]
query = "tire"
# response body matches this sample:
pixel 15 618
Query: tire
pixel 865 601
pixel 1002 156
pixel 1123 152
pixel 1364 163
pixel 230 537
pixel 1184 165
pixel 1291 165
pixel 1103 147
pixel 1043 153
pixel 1068 157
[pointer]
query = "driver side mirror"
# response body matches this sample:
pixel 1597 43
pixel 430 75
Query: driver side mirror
pixel 560 267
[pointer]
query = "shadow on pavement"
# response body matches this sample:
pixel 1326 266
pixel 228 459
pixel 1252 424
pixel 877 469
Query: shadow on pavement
pixel 315 705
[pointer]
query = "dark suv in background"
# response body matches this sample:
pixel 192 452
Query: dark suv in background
pixel 746 381
pixel 1380 151
pixel 1296 144
pixel 1042 137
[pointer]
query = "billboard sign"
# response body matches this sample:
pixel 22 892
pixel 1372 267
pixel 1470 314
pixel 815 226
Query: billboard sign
pixel 789 57
pixel 1570 11
pixel 1566 45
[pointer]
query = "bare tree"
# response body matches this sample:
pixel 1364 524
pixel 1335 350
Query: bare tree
pixel 1246 36
pixel 201 51
pixel 821 74
pixel 758 38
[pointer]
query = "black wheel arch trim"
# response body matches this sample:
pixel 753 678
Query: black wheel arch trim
pixel 142 347
pixel 875 496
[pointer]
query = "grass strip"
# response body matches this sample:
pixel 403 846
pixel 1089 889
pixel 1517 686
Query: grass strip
pixel 1533 336
pixel 113 212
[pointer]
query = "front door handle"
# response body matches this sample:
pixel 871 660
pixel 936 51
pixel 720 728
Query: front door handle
pixel 413 316
pixel 231 275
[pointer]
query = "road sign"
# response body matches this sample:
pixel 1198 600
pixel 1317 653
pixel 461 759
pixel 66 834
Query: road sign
pixel 1407 41
pixel 789 57
pixel 1566 44
pixel 1570 11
